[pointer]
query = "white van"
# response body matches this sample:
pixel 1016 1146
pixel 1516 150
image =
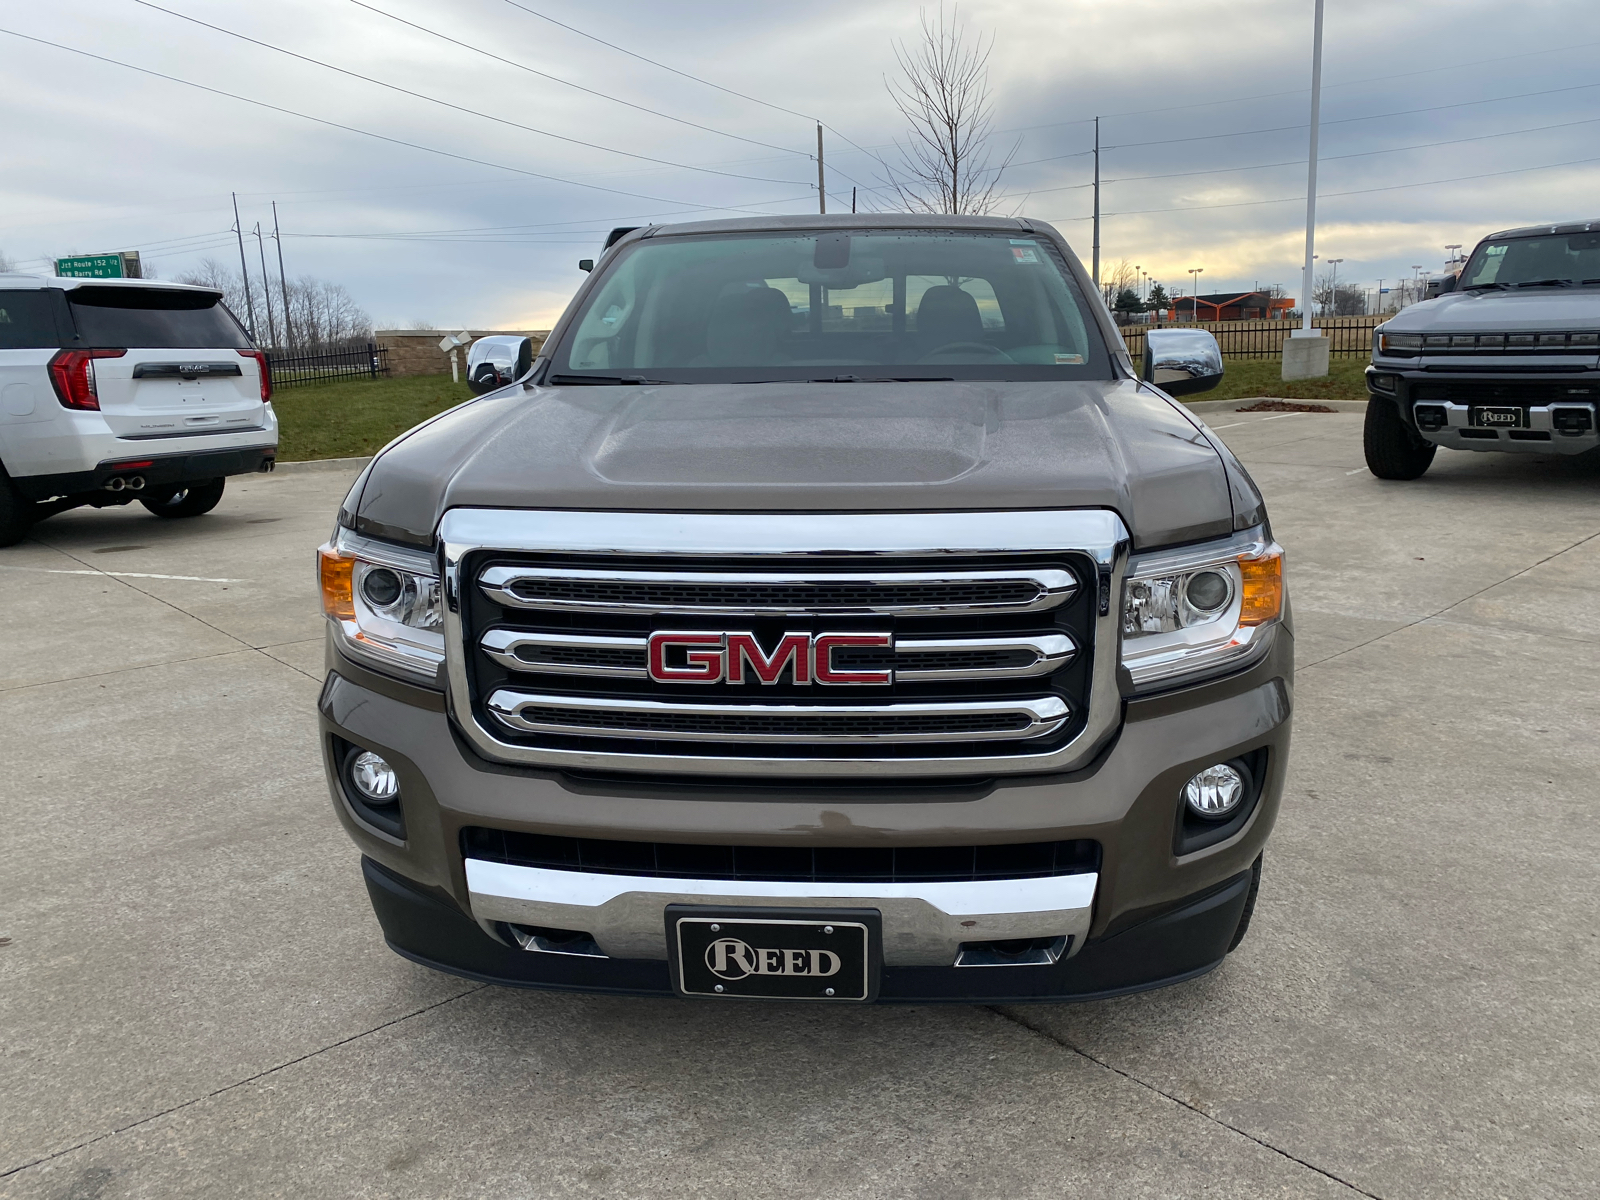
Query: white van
pixel 115 390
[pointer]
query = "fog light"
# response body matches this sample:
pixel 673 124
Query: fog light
pixel 1215 792
pixel 375 779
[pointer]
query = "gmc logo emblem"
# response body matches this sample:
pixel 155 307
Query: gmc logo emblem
pixel 734 657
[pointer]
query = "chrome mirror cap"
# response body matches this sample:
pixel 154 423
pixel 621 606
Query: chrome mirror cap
pixel 1182 361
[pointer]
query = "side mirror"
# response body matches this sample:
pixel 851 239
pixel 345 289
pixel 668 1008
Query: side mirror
pixel 1182 361
pixel 1448 283
pixel 586 264
pixel 524 360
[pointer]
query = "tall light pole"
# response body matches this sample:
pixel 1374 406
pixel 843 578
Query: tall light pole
pixel 1311 168
pixel 1453 255
pixel 1377 306
pixel 1096 202
pixel 1195 273
pixel 1333 288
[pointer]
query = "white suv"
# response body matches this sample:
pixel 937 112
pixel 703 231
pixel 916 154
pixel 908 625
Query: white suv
pixel 114 390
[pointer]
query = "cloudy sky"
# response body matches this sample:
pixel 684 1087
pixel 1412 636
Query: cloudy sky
pixel 1443 120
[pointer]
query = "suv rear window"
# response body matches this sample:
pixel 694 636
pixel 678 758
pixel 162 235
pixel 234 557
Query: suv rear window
pixel 154 318
pixel 28 320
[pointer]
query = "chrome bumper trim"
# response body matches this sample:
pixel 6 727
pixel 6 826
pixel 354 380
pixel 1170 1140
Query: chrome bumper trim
pixel 1043 715
pixel 1539 420
pixel 924 924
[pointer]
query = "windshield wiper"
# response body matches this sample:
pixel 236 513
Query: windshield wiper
pixel 1484 287
pixel 1545 283
pixel 631 380
pixel 884 379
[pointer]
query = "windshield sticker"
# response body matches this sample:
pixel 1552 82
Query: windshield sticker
pixel 1069 360
pixel 1026 254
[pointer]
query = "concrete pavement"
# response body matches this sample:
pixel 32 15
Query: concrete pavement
pixel 195 1000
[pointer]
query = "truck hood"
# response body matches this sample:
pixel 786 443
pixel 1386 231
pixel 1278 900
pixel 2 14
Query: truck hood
pixel 1530 311
pixel 815 447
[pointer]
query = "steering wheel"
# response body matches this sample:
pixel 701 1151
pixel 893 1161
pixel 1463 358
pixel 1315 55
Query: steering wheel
pixel 966 348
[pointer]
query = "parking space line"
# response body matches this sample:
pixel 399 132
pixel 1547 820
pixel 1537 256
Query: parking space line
pixel 120 574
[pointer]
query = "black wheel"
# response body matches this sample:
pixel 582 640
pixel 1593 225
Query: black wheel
pixel 17 513
pixel 1394 450
pixel 184 499
pixel 1249 908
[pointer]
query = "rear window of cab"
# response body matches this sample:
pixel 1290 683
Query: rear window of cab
pixel 117 318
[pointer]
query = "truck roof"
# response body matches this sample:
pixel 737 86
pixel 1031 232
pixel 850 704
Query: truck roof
pixel 783 224
pixel 1568 227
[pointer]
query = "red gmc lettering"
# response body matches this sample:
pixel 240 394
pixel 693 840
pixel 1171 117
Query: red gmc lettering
pixel 822 656
pixel 793 648
pixel 705 665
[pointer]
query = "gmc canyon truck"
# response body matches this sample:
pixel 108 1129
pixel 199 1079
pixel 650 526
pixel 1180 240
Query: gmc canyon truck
pixel 1505 360
pixel 829 613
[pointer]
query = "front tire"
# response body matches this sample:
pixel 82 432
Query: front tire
pixel 1394 450
pixel 185 499
pixel 17 513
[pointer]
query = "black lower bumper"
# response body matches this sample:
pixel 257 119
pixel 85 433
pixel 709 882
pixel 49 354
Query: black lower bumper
pixel 1186 941
pixel 157 471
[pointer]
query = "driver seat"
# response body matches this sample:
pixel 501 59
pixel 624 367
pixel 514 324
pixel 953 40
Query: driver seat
pixel 947 314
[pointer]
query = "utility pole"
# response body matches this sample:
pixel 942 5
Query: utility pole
pixel 1311 168
pixel 266 286
pixel 283 283
pixel 852 199
pixel 821 184
pixel 1097 202
pixel 249 304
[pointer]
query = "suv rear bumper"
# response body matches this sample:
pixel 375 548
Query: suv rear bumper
pixel 190 467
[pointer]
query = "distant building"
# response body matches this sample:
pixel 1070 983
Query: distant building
pixel 1230 306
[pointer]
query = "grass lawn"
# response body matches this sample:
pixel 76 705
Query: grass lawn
pixel 1249 377
pixel 355 417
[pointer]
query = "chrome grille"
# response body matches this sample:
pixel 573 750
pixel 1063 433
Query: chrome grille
pixel 831 724
pixel 989 623
pixel 578 589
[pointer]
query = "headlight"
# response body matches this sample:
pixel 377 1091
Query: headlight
pixel 1200 612
pixel 1399 343
pixel 384 603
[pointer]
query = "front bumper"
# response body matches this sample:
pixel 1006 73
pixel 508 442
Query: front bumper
pixel 453 912
pixel 1448 422
pixel 1184 941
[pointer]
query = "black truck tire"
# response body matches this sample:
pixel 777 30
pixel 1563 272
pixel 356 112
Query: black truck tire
pixel 1394 450
pixel 185 499
pixel 17 513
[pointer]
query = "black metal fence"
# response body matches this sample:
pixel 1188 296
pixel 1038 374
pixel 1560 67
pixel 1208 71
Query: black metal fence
pixel 1350 337
pixel 324 364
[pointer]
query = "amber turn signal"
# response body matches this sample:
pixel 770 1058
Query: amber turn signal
pixel 338 599
pixel 1262 598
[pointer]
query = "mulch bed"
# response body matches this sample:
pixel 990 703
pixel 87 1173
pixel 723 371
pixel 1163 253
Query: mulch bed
pixel 1284 406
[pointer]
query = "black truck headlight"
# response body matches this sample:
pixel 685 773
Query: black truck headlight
pixel 384 603
pixel 1201 611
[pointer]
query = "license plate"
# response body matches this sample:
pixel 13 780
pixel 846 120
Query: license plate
pixel 775 954
pixel 1497 418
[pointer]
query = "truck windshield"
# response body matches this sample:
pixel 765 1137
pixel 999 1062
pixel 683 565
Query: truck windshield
pixel 833 306
pixel 1543 259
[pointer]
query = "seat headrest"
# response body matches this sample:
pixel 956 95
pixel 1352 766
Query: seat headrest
pixel 947 314
pixel 746 328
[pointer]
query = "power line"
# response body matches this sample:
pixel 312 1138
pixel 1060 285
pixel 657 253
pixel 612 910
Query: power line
pixel 1300 162
pixel 382 137
pixel 405 91
pixel 696 78
pixel 568 83
pixel 1577 162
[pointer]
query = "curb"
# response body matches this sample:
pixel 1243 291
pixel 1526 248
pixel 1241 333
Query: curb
pixel 1210 406
pixel 322 464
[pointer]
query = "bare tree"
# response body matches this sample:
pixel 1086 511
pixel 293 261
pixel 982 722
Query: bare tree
pixel 7 264
pixel 319 312
pixel 1120 278
pixel 944 95
pixel 1343 300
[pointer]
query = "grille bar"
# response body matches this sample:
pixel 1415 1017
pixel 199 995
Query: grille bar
pixel 934 659
pixel 765 593
pixel 819 724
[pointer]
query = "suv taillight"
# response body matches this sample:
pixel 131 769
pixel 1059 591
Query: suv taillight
pixel 72 375
pixel 266 372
